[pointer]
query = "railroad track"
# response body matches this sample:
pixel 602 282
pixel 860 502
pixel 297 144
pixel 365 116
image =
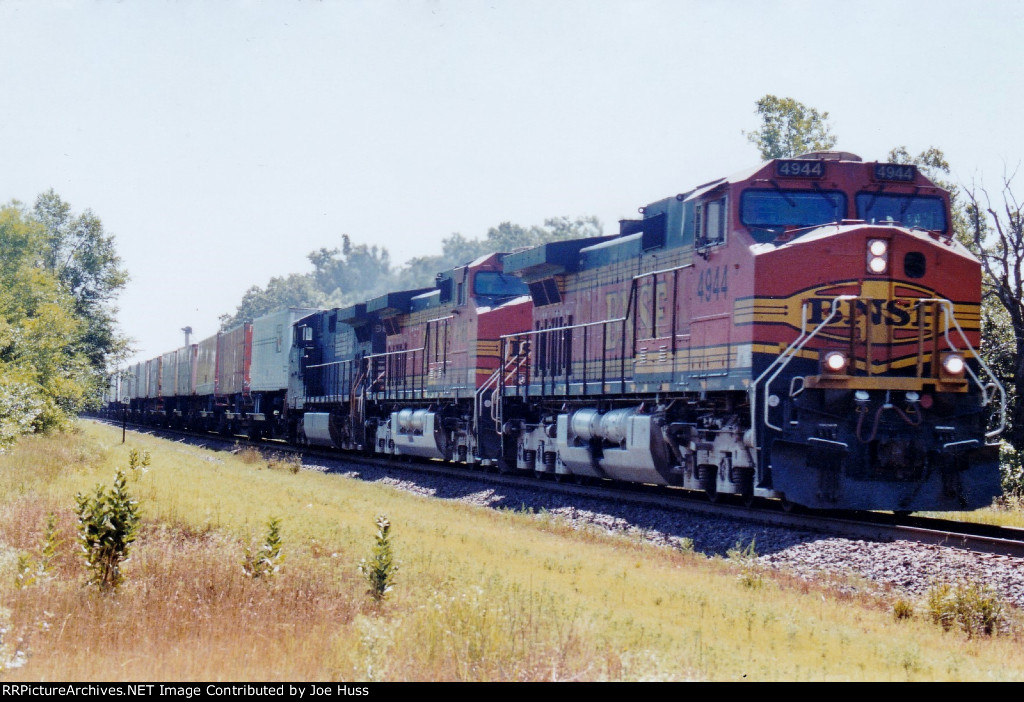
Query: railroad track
pixel 869 526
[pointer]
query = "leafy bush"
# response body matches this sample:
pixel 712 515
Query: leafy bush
pixel 751 574
pixel 902 609
pixel 976 609
pixel 267 560
pixel 107 526
pixel 138 462
pixel 380 570
pixel 1011 466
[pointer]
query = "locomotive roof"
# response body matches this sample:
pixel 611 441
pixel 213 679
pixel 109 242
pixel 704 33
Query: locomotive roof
pixel 550 259
pixel 393 303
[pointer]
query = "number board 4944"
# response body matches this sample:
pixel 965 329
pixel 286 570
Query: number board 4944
pixel 797 168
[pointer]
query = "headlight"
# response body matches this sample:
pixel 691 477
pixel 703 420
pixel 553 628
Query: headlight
pixel 834 361
pixel 953 365
pixel 878 256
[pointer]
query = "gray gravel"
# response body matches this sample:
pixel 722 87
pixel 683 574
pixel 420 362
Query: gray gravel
pixel 901 567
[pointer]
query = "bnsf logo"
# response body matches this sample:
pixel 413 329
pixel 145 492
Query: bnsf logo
pixel 891 313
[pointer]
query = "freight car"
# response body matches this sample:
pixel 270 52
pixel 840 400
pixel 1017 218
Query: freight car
pixel 805 331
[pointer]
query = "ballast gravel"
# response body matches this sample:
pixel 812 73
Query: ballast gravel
pixel 905 568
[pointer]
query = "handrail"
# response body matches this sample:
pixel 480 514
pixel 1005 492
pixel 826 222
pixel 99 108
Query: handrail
pixel 947 309
pixel 783 360
pixel 780 362
pixel 492 381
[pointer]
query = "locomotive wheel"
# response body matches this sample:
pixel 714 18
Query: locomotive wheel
pixel 709 481
pixel 747 488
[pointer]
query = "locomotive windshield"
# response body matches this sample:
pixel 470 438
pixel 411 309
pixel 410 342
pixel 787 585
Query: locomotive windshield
pixel 768 212
pixel 494 284
pixel 909 210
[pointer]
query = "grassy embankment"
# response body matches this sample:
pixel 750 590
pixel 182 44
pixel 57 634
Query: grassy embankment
pixel 481 594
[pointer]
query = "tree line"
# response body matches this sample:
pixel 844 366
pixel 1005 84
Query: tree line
pixel 59 277
pixel 354 273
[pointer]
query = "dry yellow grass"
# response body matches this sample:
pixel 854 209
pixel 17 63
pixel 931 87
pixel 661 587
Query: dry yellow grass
pixel 481 594
pixel 1006 512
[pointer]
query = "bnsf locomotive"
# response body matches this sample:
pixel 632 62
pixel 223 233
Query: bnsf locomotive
pixel 806 330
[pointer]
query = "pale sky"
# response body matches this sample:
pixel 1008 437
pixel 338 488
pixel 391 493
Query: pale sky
pixel 222 141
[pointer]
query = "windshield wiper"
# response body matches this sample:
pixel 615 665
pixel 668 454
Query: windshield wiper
pixel 821 191
pixel 780 191
pixel 874 196
pixel 907 199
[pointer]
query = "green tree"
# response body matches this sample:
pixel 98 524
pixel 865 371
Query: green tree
pixel 82 256
pixel 353 273
pixel 789 128
pixel 357 272
pixel 46 374
pixel 457 250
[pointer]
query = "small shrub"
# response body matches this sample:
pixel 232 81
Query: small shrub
pixel 48 550
pixel 291 462
pixel 751 575
pixel 138 463
pixel 902 610
pixel 30 570
pixel 1011 466
pixel 248 454
pixel 27 571
pixel 380 570
pixel 107 526
pixel 976 609
pixel 267 560
pixel 741 553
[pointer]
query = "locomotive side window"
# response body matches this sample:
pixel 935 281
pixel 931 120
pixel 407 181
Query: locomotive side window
pixel 545 292
pixel 711 223
pixel 909 210
pixel 496 284
pixel 768 212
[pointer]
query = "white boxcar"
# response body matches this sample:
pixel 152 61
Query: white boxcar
pixel 185 360
pixel 138 379
pixel 169 374
pixel 153 378
pixel 206 366
pixel 272 340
